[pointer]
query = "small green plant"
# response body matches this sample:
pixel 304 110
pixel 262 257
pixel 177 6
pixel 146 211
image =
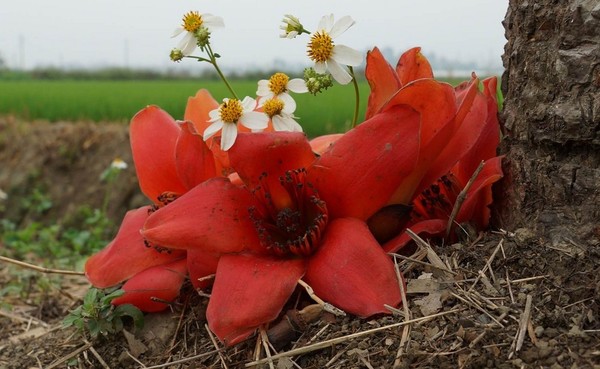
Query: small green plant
pixel 98 316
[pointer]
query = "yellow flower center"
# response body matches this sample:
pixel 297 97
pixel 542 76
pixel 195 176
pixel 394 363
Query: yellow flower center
pixel 231 111
pixel 320 47
pixel 273 107
pixel 278 83
pixel 192 21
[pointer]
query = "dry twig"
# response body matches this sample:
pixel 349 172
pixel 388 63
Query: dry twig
pixel 38 268
pixel 462 196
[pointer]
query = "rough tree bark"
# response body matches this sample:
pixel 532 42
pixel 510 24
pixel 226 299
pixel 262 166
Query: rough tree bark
pixel 551 121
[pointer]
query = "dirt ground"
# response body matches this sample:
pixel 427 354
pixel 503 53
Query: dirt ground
pixel 506 299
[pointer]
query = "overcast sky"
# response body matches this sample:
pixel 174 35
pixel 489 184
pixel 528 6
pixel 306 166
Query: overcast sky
pixel 136 33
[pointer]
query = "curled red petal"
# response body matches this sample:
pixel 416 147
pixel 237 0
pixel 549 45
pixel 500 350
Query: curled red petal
pixel 127 254
pixel 412 66
pixel 212 217
pixel 351 271
pixel 195 161
pixel 152 289
pixel 430 227
pixel 249 291
pixel 322 143
pixel 153 134
pixel 359 173
pixel 382 79
pixel 261 159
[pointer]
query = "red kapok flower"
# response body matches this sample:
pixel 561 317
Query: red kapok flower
pixel 298 217
pixel 170 158
pixel 454 141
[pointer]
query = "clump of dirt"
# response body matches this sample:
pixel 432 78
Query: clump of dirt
pixel 503 300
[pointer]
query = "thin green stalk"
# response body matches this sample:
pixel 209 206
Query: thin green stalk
pixel 357 97
pixel 213 61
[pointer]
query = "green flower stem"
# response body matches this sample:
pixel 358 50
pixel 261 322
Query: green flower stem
pixel 357 97
pixel 213 61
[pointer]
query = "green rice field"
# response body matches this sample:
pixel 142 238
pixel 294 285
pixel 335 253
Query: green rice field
pixel 118 101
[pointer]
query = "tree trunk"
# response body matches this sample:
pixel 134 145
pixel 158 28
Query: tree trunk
pixel 551 122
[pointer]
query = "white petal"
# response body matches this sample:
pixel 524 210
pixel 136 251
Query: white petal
pixel 279 124
pixel 263 88
pixel 297 85
pixel 228 136
pixel 339 73
pixel 248 104
pixel 292 34
pixel 289 105
pixel 346 55
pixel 325 23
pixel 188 44
pixel 211 21
pixel 255 120
pixel 285 123
pixel 212 129
pixel 214 115
pixel 341 26
pixel 320 68
pixel 177 31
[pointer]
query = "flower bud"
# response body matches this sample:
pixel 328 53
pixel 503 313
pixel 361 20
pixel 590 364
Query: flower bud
pixel 176 55
pixel 316 82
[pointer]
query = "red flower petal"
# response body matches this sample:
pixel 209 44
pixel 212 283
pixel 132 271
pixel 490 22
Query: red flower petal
pixel 436 103
pixel 382 79
pixel 250 291
pixel 351 271
pixel 475 208
pixel 127 254
pixel 412 66
pixel 195 162
pixel 466 135
pixel 489 138
pixel 153 137
pixel 322 143
pixel 430 227
pixel 212 217
pixel 261 159
pixel 201 264
pixel 160 282
pixel 198 107
pixel 359 173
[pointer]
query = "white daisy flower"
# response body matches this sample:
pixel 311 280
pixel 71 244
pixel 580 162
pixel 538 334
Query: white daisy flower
pixel 193 21
pixel 328 56
pixel 281 114
pixel 226 117
pixel 278 86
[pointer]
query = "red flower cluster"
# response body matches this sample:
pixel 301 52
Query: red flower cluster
pixel 287 214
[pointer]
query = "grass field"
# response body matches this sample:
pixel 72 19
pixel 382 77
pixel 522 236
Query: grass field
pixel 118 101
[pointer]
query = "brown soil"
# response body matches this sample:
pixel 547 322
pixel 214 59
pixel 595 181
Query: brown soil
pixel 503 300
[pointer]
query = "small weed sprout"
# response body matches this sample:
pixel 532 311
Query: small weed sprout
pixel 98 316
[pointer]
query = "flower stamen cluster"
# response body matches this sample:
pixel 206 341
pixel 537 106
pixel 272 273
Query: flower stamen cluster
pixel 320 47
pixel 273 107
pixel 231 111
pixel 278 83
pixel 192 21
